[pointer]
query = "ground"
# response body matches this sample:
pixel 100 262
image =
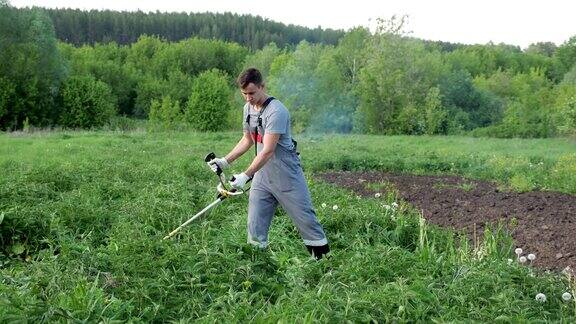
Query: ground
pixel 545 221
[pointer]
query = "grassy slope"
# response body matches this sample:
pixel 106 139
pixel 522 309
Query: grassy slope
pixel 83 215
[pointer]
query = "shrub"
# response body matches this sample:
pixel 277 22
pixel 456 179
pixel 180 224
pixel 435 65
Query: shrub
pixel 165 114
pixel 209 104
pixel 85 102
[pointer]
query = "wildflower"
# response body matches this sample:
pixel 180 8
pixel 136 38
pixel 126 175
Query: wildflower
pixel 566 296
pixel 377 195
pixel 531 257
pixel 335 207
pixel 324 205
pixel 522 259
pixel 541 297
pixel 518 251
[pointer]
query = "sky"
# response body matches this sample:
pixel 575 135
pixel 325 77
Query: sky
pixel 512 22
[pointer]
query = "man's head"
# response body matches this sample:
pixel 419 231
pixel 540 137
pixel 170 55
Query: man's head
pixel 252 86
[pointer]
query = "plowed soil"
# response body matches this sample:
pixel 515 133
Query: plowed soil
pixel 546 221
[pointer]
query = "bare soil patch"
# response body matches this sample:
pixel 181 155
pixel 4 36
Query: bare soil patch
pixel 546 221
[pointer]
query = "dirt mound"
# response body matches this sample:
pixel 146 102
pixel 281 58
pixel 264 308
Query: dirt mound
pixel 546 221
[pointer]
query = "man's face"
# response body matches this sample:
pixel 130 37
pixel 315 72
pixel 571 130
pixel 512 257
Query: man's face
pixel 253 94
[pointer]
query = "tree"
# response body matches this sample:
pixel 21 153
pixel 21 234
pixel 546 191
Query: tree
pixel 262 59
pixel 31 67
pixel 566 55
pixel 398 74
pixel 85 102
pixel 293 78
pixel 565 109
pixel 435 114
pixel 570 76
pixel 165 114
pixel 459 93
pixel 209 102
pixel 542 48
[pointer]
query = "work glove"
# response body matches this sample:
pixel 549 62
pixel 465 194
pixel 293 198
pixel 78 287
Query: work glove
pixel 218 163
pixel 239 181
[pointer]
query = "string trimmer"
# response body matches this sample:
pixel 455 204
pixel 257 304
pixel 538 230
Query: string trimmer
pixel 223 193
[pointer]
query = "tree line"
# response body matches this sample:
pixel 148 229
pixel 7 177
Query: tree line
pixel 79 27
pixel 378 83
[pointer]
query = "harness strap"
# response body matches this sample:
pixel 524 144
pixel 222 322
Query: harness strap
pixel 264 105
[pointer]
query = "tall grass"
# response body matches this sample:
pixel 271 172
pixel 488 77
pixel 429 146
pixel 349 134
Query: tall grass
pixel 83 214
pixel 518 164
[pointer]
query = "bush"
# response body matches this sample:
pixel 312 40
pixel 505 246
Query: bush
pixel 165 114
pixel 85 102
pixel 210 102
pixel 565 109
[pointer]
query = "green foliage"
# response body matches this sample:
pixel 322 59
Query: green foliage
pixel 31 68
pixel 166 114
pixel 397 76
pixel 566 55
pixel 169 68
pixel 565 109
pixel 7 91
pixel 209 102
pixel 292 76
pixel 377 83
pixel 147 90
pixel 542 48
pixel 88 27
pixel 570 76
pixel 528 109
pixel 106 63
pixel 85 102
pixel 436 115
pixel 459 94
pixel 262 59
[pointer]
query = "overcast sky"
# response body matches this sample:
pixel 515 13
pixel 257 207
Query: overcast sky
pixel 471 22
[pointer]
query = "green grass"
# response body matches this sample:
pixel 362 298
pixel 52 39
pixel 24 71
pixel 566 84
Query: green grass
pixel 83 214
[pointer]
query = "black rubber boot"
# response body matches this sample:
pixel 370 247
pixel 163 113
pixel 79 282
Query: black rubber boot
pixel 318 251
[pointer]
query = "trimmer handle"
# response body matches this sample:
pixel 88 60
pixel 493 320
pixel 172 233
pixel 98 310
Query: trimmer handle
pixel 234 178
pixel 211 156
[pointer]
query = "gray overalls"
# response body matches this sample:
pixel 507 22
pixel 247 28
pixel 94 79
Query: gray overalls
pixel 280 181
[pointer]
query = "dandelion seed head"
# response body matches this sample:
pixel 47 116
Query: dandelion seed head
pixel 323 205
pixel 518 251
pixel 335 207
pixel 377 195
pixel 531 257
pixel 566 296
pixel 541 297
pixel 522 259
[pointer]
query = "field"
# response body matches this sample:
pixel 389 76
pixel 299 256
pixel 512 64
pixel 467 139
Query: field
pixel 82 215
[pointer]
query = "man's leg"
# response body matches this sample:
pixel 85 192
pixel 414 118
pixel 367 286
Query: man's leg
pixel 298 205
pixel 261 208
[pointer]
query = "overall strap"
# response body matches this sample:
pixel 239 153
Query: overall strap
pixel 264 105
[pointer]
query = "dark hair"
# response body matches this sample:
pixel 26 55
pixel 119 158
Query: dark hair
pixel 251 75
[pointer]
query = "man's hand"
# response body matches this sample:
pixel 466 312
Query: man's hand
pixel 239 181
pixel 218 163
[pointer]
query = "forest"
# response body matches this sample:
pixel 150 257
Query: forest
pixel 358 81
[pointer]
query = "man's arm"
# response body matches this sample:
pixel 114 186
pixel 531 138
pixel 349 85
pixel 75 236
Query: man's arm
pixel 269 141
pixel 243 145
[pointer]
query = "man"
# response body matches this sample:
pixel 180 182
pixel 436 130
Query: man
pixel 276 173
